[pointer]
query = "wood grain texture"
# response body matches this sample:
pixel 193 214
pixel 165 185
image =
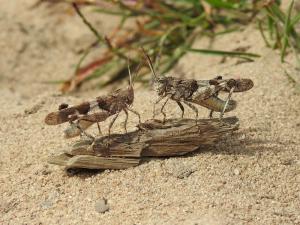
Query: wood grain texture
pixel 152 139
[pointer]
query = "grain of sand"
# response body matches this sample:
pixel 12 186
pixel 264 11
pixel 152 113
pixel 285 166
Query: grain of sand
pixel 250 178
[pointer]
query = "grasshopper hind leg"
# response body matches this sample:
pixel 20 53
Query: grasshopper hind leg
pixel 193 108
pixel 136 113
pixel 210 115
pixel 99 129
pixel 82 131
pixel 182 108
pixel 126 120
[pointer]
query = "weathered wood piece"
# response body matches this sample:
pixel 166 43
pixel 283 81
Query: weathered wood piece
pixel 152 139
pixel 93 162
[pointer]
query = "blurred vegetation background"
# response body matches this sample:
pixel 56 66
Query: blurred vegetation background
pixel 167 29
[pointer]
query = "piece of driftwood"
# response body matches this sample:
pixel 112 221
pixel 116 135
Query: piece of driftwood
pixel 153 139
pixel 93 162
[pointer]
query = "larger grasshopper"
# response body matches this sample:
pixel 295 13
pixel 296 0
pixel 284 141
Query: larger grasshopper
pixel 83 115
pixel 200 92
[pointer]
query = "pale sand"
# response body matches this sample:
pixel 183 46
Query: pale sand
pixel 250 178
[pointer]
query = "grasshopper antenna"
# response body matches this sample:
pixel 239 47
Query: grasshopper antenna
pixel 149 63
pixel 130 76
pixel 157 59
pixel 137 69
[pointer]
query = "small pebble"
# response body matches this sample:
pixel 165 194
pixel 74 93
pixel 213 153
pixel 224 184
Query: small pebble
pixel 101 206
pixel 47 204
pixel 184 173
pixel 236 172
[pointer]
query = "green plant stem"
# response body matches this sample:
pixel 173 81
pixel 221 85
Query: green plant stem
pixel 86 22
pixel 95 32
pixel 224 53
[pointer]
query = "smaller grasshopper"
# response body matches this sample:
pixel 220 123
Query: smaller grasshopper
pixel 200 92
pixel 83 116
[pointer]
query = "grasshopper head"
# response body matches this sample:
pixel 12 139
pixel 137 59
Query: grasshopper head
pixel 240 85
pixel 129 96
pixel 243 85
pixel 161 85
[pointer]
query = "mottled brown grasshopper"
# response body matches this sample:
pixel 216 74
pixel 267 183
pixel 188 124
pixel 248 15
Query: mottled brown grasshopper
pixel 83 115
pixel 201 92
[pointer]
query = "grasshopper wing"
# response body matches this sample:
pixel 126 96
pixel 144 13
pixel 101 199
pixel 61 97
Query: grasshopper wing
pixel 67 114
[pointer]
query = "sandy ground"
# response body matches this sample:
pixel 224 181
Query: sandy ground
pixel 250 178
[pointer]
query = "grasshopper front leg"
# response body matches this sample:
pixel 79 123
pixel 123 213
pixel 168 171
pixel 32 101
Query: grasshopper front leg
pixel 155 103
pixel 136 113
pixel 162 110
pixel 112 123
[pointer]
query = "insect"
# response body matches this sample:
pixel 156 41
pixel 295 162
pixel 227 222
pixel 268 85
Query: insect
pixel 200 92
pixel 83 115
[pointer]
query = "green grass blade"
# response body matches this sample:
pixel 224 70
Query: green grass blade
pixel 154 23
pixel 261 30
pixel 286 31
pixel 277 13
pixel 115 13
pixel 82 58
pixel 295 20
pixel 223 53
pixel 221 4
pixel 271 26
pixel 226 31
pixel 166 35
pixel 197 6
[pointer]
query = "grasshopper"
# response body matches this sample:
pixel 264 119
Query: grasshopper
pixel 200 92
pixel 83 115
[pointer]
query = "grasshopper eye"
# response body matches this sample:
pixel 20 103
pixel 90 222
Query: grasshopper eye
pixel 161 80
pixel 63 106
